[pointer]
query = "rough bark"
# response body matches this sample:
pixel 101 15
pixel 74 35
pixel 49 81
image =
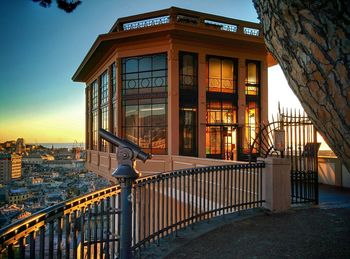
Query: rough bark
pixel 311 42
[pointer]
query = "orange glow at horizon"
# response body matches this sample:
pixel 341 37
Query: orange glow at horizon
pixel 63 126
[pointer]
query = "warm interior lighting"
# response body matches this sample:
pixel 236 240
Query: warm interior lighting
pixel 252 74
pixel 152 109
pixel 252 122
pixel 188 109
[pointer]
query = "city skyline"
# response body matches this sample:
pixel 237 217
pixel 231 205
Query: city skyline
pixel 38 100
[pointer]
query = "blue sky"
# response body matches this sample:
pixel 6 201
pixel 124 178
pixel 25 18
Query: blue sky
pixel 41 49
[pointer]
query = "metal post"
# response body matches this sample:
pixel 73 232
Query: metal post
pixel 126 176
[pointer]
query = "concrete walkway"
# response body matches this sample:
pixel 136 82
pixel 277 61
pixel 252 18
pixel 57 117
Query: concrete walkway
pixel 304 232
pixel 330 196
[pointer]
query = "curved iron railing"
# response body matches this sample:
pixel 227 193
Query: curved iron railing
pixel 89 226
pixel 165 203
pixel 57 231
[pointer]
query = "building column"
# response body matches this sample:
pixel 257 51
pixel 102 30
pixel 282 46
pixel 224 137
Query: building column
pixel 241 102
pixel 173 102
pixel 202 104
pixel 264 91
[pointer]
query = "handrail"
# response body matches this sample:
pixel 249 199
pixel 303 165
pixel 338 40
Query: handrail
pixel 161 204
pixel 23 227
pixel 174 200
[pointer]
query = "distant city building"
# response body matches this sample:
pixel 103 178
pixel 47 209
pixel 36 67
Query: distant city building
pixel 36 180
pixel 8 146
pixel 68 164
pixel 17 196
pixel 8 213
pixel 54 198
pixel 76 153
pixel 23 215
pixel 10 167
pixel 48 157
pixel 63 153
pixel 20 146
pixel 33 158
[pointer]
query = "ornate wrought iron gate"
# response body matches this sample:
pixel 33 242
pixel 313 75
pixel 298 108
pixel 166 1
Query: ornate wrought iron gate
pixel 293 136
pixel 302 148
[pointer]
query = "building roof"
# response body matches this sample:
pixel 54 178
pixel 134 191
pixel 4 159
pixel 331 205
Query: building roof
pixel 18 191
pixel 174 21
pixel 5 156
pixel 9 156
pixel 58 162
pixel 33 155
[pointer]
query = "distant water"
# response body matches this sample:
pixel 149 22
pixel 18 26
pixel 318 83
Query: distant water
pixel 61 145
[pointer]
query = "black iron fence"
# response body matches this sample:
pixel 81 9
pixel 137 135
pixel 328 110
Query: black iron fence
pixel 165 203
pixel 304 187
pixel 82 226
pixel 292 136
pixel 89 226
pixel 302 150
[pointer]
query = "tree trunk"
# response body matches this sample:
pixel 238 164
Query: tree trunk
pixel 311 42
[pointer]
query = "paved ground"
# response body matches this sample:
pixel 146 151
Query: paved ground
pixel 312 232
pixel 330 195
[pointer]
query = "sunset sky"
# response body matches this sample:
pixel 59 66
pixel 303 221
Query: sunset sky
pixel 40 49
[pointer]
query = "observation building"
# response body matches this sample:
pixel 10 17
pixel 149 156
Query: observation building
pixel 183 85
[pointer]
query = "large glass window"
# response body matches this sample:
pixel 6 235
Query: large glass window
pixel 114 98
pixel 94 89
pixel 222 75
pixel 104 88
pixel 104 108
pixel 252 119
pixel 144 89
pixel 221 130
pixel 221 141
pixel 114 80
pixel 188 71
pixel 188 131
pixel 145 74
pixel 252 81
pixel 252 113
pixel 88 118
pixel 221 114
pixel 94 130
pixel 188 103
pixel 145 124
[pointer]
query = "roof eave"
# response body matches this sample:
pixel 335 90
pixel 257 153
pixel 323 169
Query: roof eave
pixel 76 77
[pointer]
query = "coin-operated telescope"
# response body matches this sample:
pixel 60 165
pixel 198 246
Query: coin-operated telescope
pixel 126 176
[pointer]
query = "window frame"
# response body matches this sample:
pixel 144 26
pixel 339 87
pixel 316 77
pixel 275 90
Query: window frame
pixel 143 95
